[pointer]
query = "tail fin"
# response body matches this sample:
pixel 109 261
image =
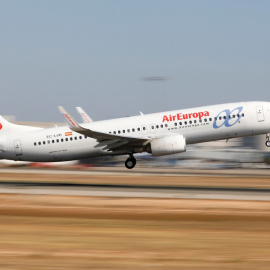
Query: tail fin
pixel 6 127
pixel 4 135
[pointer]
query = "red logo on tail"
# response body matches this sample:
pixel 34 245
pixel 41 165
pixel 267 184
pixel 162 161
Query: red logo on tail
pixel 1 126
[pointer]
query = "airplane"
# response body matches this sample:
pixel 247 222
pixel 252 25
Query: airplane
pixel 159 134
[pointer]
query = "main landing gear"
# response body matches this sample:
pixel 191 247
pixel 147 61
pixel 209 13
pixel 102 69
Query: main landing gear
pixel 267 143
pixel 130 162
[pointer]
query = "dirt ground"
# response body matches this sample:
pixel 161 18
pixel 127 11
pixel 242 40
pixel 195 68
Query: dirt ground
pixel 69 232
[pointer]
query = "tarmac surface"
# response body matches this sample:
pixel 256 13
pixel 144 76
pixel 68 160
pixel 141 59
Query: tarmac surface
pixel 129 191
pixel 155 188
pixel 142 171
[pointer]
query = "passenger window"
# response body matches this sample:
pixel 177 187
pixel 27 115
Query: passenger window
pixel 185 122
pixel 157 126
pixel 35 144
pixel 80 137
pixel 152 127
pixel 161 126
pixel 52 141
pixel 195 121
pixel 85 136
pixel 128 130
pixel 238 115
pixel 75 138
pixel 215 118
pixel 220 118
pixel 224 117
pixel 190 122
pixel 62 140
pixel 180 123
pixel 71 138
pixel 233 116
pixel 44 142
pixel 48 142
pixel 200 120
pixel 243 115
pixel 205 119
pixel 119 131
pixel 210 119
pixel 57 141
pixel 166 125
pixel 123 131
pixel 133 129
pixel 175 124
pixel 138 129
pixel 39 143
pixel 114 132
pixel 66 139
pixel 144 128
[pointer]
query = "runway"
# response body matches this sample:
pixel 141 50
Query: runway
pixel 135 191
pixel 142 171
pixel 234 184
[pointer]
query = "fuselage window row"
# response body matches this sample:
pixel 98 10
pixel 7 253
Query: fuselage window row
pixel 62 140
pixel 139 129
pixel 181 123
pixel 144 128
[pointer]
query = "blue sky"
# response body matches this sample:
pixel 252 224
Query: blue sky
pixel 95 54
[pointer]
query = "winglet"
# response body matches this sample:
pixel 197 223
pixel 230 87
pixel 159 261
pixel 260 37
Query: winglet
pixel 85 117
pixel 68 118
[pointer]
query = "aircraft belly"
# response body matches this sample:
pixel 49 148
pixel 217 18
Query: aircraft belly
pixel 209 135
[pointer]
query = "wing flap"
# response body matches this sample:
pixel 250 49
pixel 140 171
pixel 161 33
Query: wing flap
pixel 113 146
pixel 107 142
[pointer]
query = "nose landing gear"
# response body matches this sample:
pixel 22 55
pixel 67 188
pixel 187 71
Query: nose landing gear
pixel 267 143
pixel 130 162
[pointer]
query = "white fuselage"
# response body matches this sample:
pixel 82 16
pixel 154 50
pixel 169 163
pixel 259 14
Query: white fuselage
pixel 197 125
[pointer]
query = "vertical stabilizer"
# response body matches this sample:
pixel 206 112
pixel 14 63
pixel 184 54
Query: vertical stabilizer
pixel 4 134
pixel 4 126
pixel 13 129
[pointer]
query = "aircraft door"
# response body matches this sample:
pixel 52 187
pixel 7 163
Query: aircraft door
pixel 260 114
pixel 18 147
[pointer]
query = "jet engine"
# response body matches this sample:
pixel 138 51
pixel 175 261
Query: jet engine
pixel 167 145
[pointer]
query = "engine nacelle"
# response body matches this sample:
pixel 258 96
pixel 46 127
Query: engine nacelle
pixel 168 145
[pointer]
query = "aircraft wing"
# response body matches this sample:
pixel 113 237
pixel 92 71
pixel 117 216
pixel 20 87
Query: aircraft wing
pixel 110 141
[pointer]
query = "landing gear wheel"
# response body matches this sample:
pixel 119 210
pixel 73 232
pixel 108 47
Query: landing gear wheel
pixel 267 143
pixel 130 162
